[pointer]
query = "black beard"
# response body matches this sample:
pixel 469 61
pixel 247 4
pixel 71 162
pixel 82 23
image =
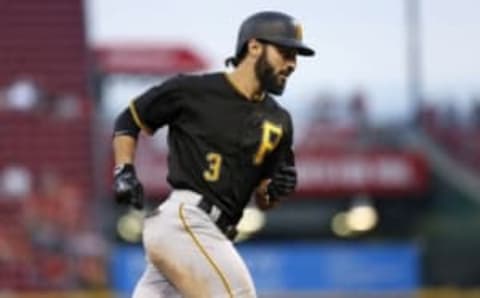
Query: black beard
pixel 266 76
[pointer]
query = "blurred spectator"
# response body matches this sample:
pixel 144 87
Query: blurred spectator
pixel 14 244
pixel 476 111
pixel 451 118
pixel 323 110
pixel 67 106
pixel 25 94
pixel 358 109
pixel 336 122
pixel 53 211
pixel 69 251
pixel 15 182
pixel 428 117
pixel 88 249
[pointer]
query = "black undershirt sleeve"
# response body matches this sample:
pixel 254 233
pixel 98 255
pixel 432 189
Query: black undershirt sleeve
pixel 125 125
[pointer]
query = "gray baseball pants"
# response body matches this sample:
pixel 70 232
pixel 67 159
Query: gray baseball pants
pixel 188 256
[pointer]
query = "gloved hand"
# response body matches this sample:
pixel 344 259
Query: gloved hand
pixel 126 187
pixel 283 182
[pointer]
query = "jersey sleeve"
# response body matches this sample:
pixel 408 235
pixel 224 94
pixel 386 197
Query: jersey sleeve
pixel 158 106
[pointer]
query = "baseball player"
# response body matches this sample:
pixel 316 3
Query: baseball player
pixel 228 140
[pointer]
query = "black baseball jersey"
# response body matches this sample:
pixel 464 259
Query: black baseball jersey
pixel 221 144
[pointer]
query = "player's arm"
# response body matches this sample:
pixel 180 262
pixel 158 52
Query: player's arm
pixel 125 136
pixel 150 111
pixel 127 188
pixel 124 147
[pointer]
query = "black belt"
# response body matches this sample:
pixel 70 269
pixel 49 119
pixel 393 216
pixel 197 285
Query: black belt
pixel 221 220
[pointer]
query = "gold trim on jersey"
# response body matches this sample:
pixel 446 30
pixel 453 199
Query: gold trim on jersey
pixel 204 252
pixel 136 118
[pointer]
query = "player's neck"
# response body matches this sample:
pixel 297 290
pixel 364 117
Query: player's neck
pixel 246 83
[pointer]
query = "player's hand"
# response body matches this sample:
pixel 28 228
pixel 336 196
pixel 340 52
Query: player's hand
pixel 283 182
pixel 126 187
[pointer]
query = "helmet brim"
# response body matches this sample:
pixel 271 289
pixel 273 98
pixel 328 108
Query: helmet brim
pixel 302 49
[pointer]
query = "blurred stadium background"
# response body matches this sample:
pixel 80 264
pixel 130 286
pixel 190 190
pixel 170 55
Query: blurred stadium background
pixel 387 210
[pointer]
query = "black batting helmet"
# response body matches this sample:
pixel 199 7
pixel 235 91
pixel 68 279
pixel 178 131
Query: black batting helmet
pixel 273 27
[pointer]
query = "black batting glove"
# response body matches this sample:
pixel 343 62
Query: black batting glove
pixel 126 187
pixel 283 182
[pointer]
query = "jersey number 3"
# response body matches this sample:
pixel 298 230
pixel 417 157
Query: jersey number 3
pixel 214 165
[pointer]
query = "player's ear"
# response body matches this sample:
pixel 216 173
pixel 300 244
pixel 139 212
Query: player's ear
pixel 255 47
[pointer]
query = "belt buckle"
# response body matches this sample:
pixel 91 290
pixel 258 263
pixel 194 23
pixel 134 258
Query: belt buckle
pixel 215 213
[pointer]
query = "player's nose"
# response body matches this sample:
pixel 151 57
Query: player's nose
pixel 290 67
pixel 291 63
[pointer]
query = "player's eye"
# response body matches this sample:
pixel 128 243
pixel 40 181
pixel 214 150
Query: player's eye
pixel 287 54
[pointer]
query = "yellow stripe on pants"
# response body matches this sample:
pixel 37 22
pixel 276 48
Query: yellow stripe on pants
pixel 204 252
